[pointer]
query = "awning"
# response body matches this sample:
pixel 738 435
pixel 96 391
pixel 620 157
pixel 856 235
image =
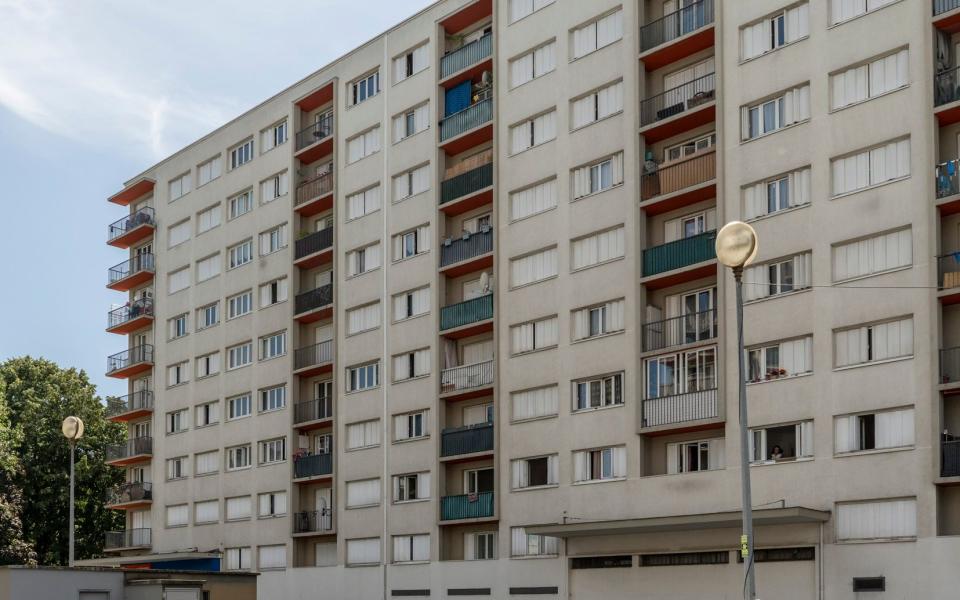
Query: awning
pixel 119 561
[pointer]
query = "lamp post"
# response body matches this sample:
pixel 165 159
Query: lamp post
pixel 736 248
pixel 72 429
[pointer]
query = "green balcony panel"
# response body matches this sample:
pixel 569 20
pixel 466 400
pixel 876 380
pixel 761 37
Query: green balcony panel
pixel 467 183
pixel 464 313
pixel 679 254
pixel 466 506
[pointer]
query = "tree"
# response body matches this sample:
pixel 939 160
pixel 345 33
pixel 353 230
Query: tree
pixel 14 549
pixel 39 395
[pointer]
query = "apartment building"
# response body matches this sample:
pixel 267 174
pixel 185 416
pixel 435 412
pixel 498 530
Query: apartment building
pixel 445 318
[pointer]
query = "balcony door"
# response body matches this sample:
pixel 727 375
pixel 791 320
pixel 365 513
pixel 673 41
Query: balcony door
pixel 694 316
pixel 144 249
pixel 324 278
pixel 478 352
pixel 323 223
pixel 323 499
pixel 478 414
pixel 323 389
pixel 682 373
pixel 141 429
pixel 477 481
pixel 700 370
pixel 138 475
pixel 690 225
pixel 680 86
pixel 324 333
pixel 477 287
pixel 688 20
pixel 689 147
pixel 139 519
pixel 322 443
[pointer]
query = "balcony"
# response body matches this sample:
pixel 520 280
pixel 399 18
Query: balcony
pixel 468 128
pixel 677 35
pixel 470 440
pixel 127 539
pixel 130 317
pixel 949 366
pixel 130 495
pixel 130 362
pixel 133 450
pixel 679 183
pixel 950 458
pixel 679 109
pixel 466 381
pixel 131 273
pixel 677 409
pixel 467 61
pixel 313 466
pixel 129 407
pixel 466 506
pixel 132 228
pixel 946 96
pixel 948 278
pixel 679 331
pixel 659 261
pixel 946 16
pixel 313 359
pixel 314 249
pixel 467 318
pixel 313 522
pixel 131 192
pixel 313 412
pixel 315 195
pixel 315 140
pixel 467 191
pixel 467 253
pixel 947 179
pixel 314 305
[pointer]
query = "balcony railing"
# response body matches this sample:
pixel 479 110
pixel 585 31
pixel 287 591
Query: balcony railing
pixel 680 408
pixel 315 242
pixel 313 410
pixel 139 400
pixel 313 465
pixel 473 116
pixel 950 365
pixel 466 312
pixel 469 245
pixel 466 506
pixel 950 458
pixel 688 172
pixel 676 24
pixel 466 55
pixel 942 6
pixel 321 185
pixel 948 178
pixel 679 253
pixel 132 447
pixel 466 440
pixel 316 354
pixel 133 310
pixel 946 86
pixel 313 521
pixel 677 331
pixel 144 216
pixel 467 183
pixel 138 263
pixel 307 301
pixel 130 538
pixel 315 132
pixel 678 100
pixel 130 357
pixel 130 492
pixel 467 377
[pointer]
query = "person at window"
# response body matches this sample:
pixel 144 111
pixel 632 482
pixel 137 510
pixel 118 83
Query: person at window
pixel 776 453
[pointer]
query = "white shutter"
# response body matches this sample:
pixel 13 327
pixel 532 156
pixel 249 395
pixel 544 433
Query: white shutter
pixel 610 100
pixel 845 434
pixel 469 546
pixel 533 200
pixel 545 59
pixel 180 233
pixel 423 238
pixel 716 454
pixel 580 460
pixel 614 316
pixel 754 201
pixel 423 485
pixel 401 548
pixel 797 22
pixel 581 324
pixel 421 117
pixel 522 337
pixel 545 127
pixel 521 70
pixel 673 458
pixel 517 474
pixel 616 168
pixel 583 111
pixel 520 137
pixel 400 68
pixel 584 40
pixel 546 332
pixel 363 551
pixel 363 493
pixel 882 519
pixel 610 29
pixel 421 180
pixel 354 149
pixel 401 427
pixel 553 468
pixel 421 58
pixel 671 230
pixel 619 461
pixel 755 39
pixel 534 403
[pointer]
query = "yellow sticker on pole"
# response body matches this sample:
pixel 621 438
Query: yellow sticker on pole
pixel 744 546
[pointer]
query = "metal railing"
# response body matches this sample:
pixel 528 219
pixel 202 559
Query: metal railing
pixel 466 312
pixel 678 100
pixel 473 116
pixel 313 465
pixel 130 357
pixel 311 521
pixel 950 458
pixel 466 440
pixel 141 307
pixel 130 492
pixel 948 271
pixel 144 216
pixel 132 447
pixel 139 400
pixel 679 253
pixel 676 24
pixel 690 171
pixel 321 185
pixel 677 331
pixel 466 55
pixel 946 86
pixel 467 183
pixel 680 408
pixel 466 506
pixel 467 246
pixel 315 132
pixel 315 242
pixel 942 6
pixel 129 538
pixel 467 377
pixel 947 177
pixel 136 264
pixel 949 365
pixel 313 355
pixel 316 298
pixel 312 410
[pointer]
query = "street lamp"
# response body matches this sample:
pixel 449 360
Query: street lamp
pixel 736 248
pixel 72 429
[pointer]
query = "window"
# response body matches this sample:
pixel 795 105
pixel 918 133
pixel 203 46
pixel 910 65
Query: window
pixel 877 520
pixel 273 188
pixel 364 259
pixel 363 145
pixel 533 200
pixel 273 451
pixel 240 355
pixel 600 464
pixel 208 268
pixel 363 203
pixel 411 122
pixel 411 364
pixel 533 132
pixel 364 88
pixel 242 154
pixel 208 365
pixel 780 443
pixel 410 63
pixel 410 426
pixel 874 431
pixel 273 345
pixel 178 234
pixel 207 462
pixel 598 177
pixel 273 136
pixel 365 492
pixel 871 343
pixel 208 171
pixel 778 277
pixel 869 80
pixel 411 548
pixel 411 304
pixel 681 559
pixel 239 304
pixel 178 515
pixel 698 455
pixel 411 243
pixel 534 472
pixel 532 544
pixel 177 468
pixel 681 373
pixel 363 318
pixel 533 335
pixel 272 557
pixel 178 374
pixel 207 511
pixel 597 248
pixel 237 508
pixel 776 361
pixel 236 559
pixel 789 108
pixel 208 413
pixel 480 546
pixel 601 562
pixel 535 63
pixel 178 280
pixel 241 254
pixel 363 377
pixel 534 267
pixel 238 457
pixel 364 551
pixel 240 204
pixel 179 187
pixel 273 240
pixel 272 504
pixel 208 218
pixel 780 193
pixel 410 487
pixel 597 34
pixel 888 162
pixel 363 435
pixel 273 292
pixel 535 403
pixel 872 255
pixel 178 326
pixel 774 31
pixel 598 320
pixel 598 105
pixel 413 182
pixel 238 406
pixel 208 316
pixel 273 398
pixel 844 10
pixel 598 392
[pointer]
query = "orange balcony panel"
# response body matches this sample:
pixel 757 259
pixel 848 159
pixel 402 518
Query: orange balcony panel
pixel 132 325
pixel 468 266
pixel 949 205
pixel 468 203
pixel 316 259
pixel 130 505
pixel 948 21
pixel 467 394
pixel 315 151
pixel 128 283
pixel 131 416
pixel 133 191
pixel 471 73
pixel 676 277
pixel 670 52
pixel 315 206
pixel 317 98
pixel 685 121
pixel 670 430
pixel 312 316
pixel 129 460
pixel 947 114
pixel 131 371
pixel 467 16
pixel 133 236
pixel 469 139
pixel 949 296
pixel 314 370
pixel 685 197
pixel 469 330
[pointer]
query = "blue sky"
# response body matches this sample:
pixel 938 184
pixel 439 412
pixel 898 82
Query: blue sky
pixel 92 93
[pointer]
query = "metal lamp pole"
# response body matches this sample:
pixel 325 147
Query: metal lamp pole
pixel 73 449
pixel 72 429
